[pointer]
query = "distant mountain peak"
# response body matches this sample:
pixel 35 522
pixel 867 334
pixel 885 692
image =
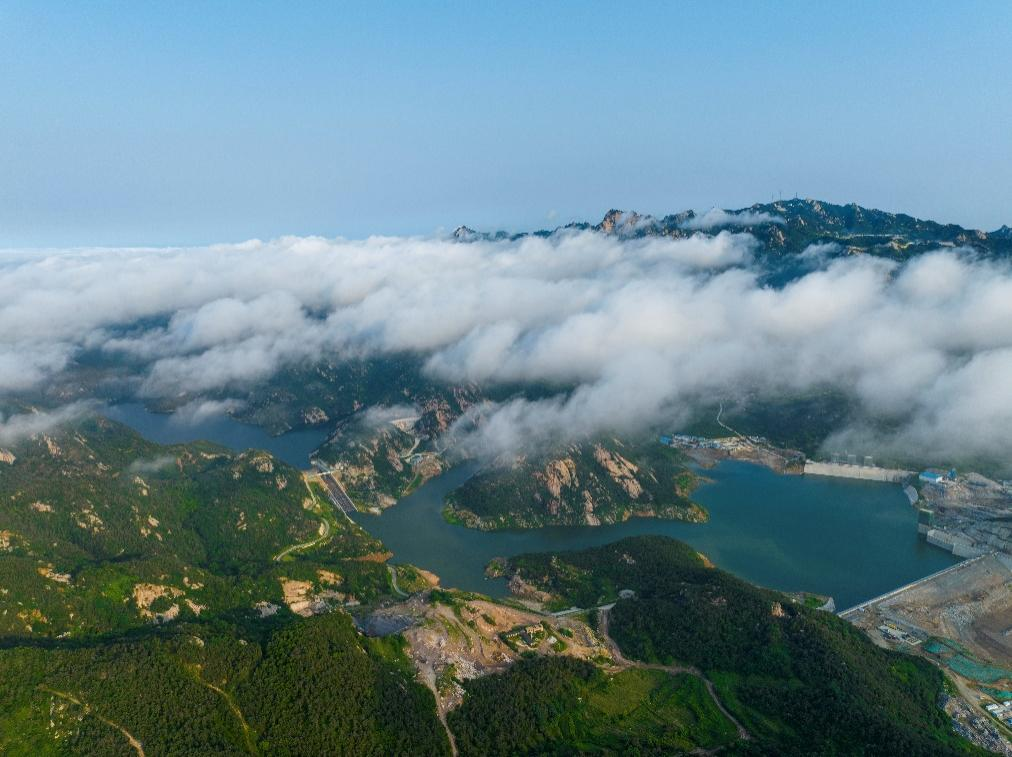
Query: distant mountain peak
pixel 786 228
pixel 465 234
pixel 624 222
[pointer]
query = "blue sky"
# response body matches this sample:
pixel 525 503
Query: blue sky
pixel 144 123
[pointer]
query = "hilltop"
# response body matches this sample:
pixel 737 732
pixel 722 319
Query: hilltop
pixel 590 483
pixel 796 679
pixel 787 228
pixel 102 531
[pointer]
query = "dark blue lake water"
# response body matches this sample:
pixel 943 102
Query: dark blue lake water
pixel 293 448
pixel 849 539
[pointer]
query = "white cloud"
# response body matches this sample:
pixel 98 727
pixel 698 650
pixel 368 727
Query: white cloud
pixel 199 411
pixel 18 427
pixel 715 217
pixel 380 415
pixel 152 465
pixel 632 330
pixel 815 255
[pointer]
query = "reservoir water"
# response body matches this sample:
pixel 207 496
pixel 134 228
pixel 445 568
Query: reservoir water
pixel 293 447
pixel 849 539
pixel 852 540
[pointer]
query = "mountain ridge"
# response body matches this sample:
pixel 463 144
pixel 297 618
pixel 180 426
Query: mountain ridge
pixel 787 227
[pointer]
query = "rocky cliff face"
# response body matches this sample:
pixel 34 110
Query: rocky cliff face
pixel 378 465
pixel 606 481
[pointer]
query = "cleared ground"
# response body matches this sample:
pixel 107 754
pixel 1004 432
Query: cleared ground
pixel 961 620
pixel 971 605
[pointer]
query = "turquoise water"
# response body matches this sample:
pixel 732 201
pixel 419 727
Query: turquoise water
pixel 850 539
pixel 293 448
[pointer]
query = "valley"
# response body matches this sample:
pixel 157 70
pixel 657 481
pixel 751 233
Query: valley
pixel 361 550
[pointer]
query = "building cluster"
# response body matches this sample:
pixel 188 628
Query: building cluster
pixel 893 633
pixel 531 635
pixel 937 478
pixel 973 727
pixel 968 516
pixel 1002 711
pixel 725 443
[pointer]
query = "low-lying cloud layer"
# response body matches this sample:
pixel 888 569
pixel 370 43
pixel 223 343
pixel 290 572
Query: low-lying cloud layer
pixel 19 426
pixel 644 329
pixel 716 217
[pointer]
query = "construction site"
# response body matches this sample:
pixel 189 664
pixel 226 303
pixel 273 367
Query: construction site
pixel 753 449
pixel 961 620
pixel 967 515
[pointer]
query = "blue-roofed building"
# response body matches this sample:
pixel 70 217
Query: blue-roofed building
pixel 931 477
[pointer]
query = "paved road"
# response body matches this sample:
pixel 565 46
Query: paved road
pixel 324 535
pixel 337 494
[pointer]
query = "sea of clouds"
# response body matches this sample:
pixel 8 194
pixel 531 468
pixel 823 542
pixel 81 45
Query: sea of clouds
pixel 637 330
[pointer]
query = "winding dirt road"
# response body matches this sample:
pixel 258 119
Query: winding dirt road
pixel 324 531
pixel 89 710
pixel 622 662
pixel 393 581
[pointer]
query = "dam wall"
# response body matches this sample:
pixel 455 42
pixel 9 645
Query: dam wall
pixel 865 472
pixel 957 568
pixel 959 544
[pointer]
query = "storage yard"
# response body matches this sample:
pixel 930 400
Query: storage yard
pixel 967 515
pixel 970 603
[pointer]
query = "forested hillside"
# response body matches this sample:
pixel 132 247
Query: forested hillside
pixel 103 531
pixel 606 481
pixel 559 705
pixel 800 680
pixel 311 686
pixel 150 603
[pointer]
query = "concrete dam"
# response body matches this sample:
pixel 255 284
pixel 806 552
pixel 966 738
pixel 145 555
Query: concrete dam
pixel 865 472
